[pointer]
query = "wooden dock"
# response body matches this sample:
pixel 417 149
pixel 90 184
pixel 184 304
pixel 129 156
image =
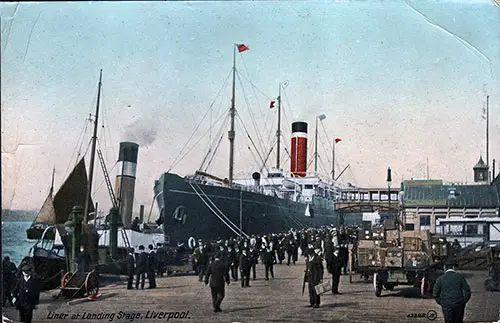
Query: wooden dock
pixel 276 300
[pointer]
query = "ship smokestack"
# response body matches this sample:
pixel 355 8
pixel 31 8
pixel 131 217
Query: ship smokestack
pixel 141 214
pixel 125 180
pixel 298 163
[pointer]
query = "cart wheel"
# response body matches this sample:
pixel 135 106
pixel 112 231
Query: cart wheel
pixel 65 279
pixel 92 285
pixel 423 286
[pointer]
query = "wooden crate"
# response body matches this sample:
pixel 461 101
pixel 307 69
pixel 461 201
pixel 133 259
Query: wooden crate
pixel 379 257
pixel 366 257
pixel 415 259
pixel 363 244
pixel 412 244
pixel 394 257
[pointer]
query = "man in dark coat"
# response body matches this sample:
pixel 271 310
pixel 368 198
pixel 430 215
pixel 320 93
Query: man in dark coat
pixel 218 273
pixel 313 276
pixel 268 259
pixel 344 257
pixel 335 268
pixel 26 295
pixel 290 251
pixel 162 260
pixel 452 292
pixel 141 268
pixel 130 268
pixel 8 279
pixel 152 264
pixel 245 266
pixel 231 262
pixel 254 259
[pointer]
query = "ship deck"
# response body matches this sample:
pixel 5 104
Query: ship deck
pixel 278 300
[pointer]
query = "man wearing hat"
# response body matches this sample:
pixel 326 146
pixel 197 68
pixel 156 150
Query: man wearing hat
pixel 217 273
pixel 141 265
pixel 452 292
pixel 245 267
pixel 9 279
pixel 152 264
pixel 314 266
pixel 130 268
pixel 26 295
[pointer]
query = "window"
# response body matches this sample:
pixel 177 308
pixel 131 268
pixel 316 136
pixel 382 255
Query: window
pixel 308 187
pixel 425 220
pixel 471 229
pixel 480 175
pixel 409 226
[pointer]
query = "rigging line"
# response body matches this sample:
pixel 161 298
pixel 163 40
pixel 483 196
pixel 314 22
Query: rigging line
pixel 322 141
pixel 289 105
pixel 76 149
pixel 200 123
pixel 322 165
pixel 253 85
pixel 213 155
pixel 330 143
pixel 253 90
pixel 212 144
pixel 248 135
pixel 252 117
pixel 211 209
pixel 187 152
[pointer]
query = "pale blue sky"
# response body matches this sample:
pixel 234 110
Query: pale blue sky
pixel 398 84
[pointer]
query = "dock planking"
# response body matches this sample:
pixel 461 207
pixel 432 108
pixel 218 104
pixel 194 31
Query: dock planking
pixel 276 300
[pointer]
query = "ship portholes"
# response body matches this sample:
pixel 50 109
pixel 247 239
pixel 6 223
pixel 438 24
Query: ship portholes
pixel 191 242
pixel 180 214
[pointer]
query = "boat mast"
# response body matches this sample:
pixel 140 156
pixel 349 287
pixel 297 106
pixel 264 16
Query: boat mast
pixel 92 154
pixel 316 148
pixel 231 133
pixel 278 132
pixel 487 135
pixel 52 184
pixel 333 160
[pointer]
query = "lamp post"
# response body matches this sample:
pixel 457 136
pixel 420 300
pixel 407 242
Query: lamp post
pixel 73 226
pixel 389 180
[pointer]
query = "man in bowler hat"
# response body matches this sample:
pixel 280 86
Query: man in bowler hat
pixel 26 295
pixel 217 273
pixel 452 292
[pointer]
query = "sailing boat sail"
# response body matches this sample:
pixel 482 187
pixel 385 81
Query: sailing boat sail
pixel 55 210
pixel 273 203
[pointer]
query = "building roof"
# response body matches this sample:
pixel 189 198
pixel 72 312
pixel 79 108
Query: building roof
pixel 447 195
pixel 480 163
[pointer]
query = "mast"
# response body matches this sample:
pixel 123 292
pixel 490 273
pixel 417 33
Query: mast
pixel 52 184
pixel 316 148
pixel 278 132
pixel 487 135
pixel 333 160
pixel 231 133
pixel 92 154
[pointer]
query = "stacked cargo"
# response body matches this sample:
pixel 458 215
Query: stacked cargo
pixel 379 247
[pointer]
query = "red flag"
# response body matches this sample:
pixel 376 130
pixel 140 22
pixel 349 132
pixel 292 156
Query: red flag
pixel 242 47
pixel 337 140
pixel 272 104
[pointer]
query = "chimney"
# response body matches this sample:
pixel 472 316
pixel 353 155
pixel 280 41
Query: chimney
pixel 141 214
pixel 125 180
pixel 298 161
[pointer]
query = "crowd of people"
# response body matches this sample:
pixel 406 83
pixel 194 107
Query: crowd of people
pixel 241 256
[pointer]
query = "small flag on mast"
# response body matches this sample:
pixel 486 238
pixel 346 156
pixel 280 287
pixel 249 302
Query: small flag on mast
pixel 322 117
pixel 337 140
pixel 271 105
pixel 242 47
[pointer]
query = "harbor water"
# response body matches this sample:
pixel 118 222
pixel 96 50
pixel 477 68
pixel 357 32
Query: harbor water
pixel 14 241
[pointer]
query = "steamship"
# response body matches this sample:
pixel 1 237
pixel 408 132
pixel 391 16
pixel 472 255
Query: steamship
pixel 204 206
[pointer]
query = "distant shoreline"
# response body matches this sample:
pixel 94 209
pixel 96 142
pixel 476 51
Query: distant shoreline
pixel 19 215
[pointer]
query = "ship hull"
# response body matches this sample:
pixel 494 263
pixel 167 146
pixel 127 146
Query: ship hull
pixel 192 210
